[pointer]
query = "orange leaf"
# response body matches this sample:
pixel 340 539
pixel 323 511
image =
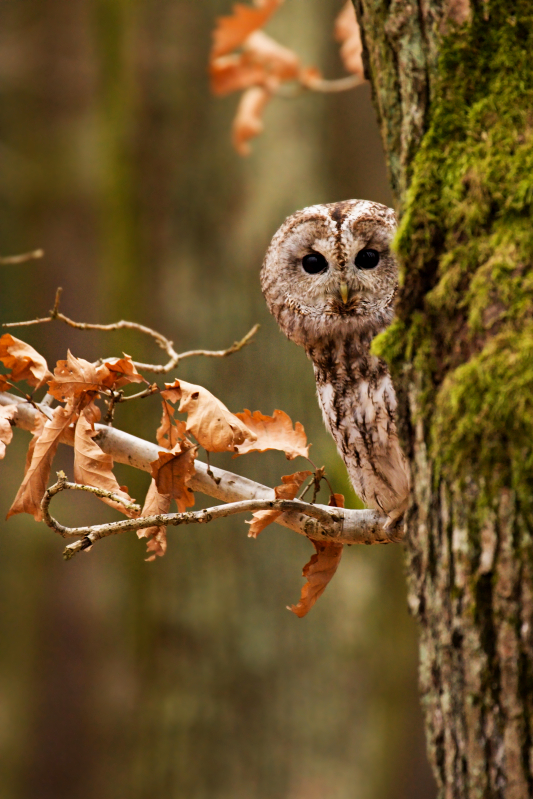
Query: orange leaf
pixel 336 500
pixel 235 72
pixel 280 62
pixel 273 432
pixel 36 434
pixel 121 372
pixel 173 470
pixel 231 31
pixel 248 121
pixel 154 504
pixel 7 413
pixel 347 32
pixel 170 430
pixel 309 76
pixel 74 376
pixel 319 572
pixel 92 466
pixel 25 362
pixel 211 423
pixel 4 385
pixel 264 62
pixel 288 490
pixel 31 491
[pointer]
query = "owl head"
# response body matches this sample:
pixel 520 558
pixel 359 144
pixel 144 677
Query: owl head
pixel 329 272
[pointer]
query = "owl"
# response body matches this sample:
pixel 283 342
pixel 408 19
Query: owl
pixel 329 278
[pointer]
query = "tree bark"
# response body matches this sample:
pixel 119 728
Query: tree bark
pixel 453 88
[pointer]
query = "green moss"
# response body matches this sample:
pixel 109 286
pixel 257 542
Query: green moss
pixel 466 248
pixel 484 413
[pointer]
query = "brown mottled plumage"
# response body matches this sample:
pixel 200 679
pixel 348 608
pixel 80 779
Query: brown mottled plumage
pixel 334 314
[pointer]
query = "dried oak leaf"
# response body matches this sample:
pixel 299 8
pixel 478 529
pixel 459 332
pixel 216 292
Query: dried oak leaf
pixel 25 362
pixel 92 466
pixel 154 504
pixel 7 413
pixel 74 376
pixel 336 500
pixel 248 121
pixel 347 32
pixel 37 430
pixel 31 491
pixel 319 571
pixel 310 76
pixel 273 432
pixel 210 422
pixel 288 490
pixel 231 31
pixel 122 371
pixel 279 62
pixel 173 470
pixel 234 73
pixel 171 430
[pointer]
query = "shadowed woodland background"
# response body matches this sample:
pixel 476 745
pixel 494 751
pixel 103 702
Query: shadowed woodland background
pixel 185 677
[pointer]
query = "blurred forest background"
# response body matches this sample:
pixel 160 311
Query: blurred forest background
pixel 185 677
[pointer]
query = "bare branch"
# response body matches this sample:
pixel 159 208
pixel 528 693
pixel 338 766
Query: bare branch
pixel 8 260
pixel 348 527
pixel 159 338
pixel 61 485
pixel 91 534
pixel 314 83
pixel 235 347
pixel 332 86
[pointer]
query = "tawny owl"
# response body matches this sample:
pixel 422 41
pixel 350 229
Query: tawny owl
pixel 329 279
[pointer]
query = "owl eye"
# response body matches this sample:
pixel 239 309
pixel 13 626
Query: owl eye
pixel 367 259
pixel 314 263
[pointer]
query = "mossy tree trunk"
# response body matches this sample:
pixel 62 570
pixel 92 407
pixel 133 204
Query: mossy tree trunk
pixel 453 86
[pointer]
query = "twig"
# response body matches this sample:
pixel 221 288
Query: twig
pixel 63 484
pixel 161 340
pixel 351 527
pixel 93 533
pixel 235 347
pixel 209 470
pixel 116 397
pixel 330 86
pixel 315 84
pixel 30 399
pixel 319 474
pixel 7 260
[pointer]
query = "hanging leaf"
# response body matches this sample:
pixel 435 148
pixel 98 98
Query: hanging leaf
pixel 173 470
pixel 25 362
pixel 122 371
pixel 347 32
pixel 318 571
pixel 231 31
pixel 7 413
pixel 248 121
pixel 92 466
pixel 288 490
pixel 273 432
pixel 210 422
pixel 154 504
pixel 74 377
pixel 31 491
pixel 171 430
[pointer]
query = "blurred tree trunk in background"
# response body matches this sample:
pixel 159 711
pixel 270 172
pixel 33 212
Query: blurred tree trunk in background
pixel 186 677
pixel 453 84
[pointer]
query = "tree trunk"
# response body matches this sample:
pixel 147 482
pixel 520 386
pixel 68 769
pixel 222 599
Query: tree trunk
pixel 453 87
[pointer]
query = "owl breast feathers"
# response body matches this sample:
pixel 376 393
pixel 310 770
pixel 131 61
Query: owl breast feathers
pixel 330 278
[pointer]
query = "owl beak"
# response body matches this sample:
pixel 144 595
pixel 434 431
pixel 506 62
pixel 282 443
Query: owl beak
pixel 344 292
